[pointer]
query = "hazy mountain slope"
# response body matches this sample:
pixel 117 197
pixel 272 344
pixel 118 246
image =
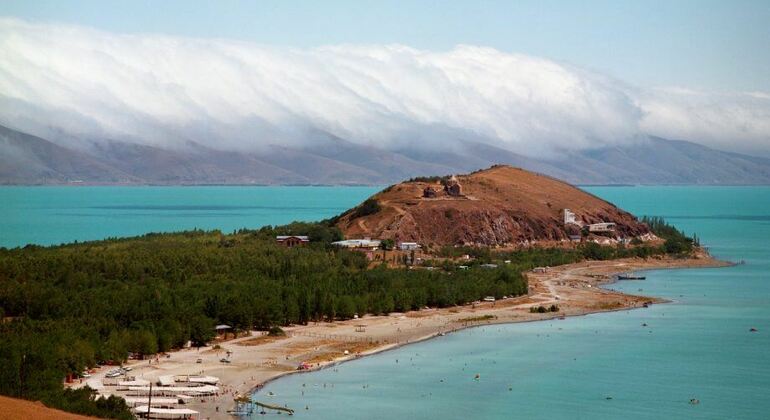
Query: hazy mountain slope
pixel 195 165
pixel 316 169
pixel 27 159
pixel 389 164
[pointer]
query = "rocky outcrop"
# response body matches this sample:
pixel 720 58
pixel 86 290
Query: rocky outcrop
pixel 498 206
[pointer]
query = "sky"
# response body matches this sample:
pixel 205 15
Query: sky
pixel 702 44
pixel 538 75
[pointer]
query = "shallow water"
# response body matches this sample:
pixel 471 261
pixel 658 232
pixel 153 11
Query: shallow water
pixel 602 366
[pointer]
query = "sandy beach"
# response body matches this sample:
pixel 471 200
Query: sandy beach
pixel 257 359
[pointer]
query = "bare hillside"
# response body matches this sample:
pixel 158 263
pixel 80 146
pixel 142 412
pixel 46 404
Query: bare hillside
pixel 497 206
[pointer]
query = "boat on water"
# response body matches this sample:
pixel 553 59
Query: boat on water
pixel 627 276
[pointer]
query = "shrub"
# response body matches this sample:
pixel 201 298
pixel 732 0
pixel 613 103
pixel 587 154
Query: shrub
pixel 370 206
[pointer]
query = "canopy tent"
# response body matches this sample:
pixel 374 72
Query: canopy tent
pixel 164 401
pixel 211 380
pixel 166 413
pixel 135 382
pixel 174 390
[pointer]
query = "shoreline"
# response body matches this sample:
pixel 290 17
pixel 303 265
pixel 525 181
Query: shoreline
pixel 258 360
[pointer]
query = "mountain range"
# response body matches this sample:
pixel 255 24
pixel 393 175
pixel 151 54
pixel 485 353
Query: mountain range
pixel 30 160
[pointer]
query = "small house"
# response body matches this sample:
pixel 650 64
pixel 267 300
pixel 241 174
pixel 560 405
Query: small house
pixel 292 241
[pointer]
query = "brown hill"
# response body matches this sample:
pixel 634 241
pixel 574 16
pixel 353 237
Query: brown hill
pixel 16 409
pixel 501 205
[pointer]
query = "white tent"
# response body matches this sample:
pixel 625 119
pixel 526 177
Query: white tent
pixel 164 401
pixel 135 382
pixel 203 379
pixel 173 390
pixel 167 413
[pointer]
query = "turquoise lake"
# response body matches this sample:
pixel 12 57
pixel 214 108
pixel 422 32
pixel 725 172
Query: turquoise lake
pixel 54 215
pixel 699 346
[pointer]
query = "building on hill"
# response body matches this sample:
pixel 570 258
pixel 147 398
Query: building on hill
pixel 292 241
pixel 429 192
pixel 601 227
pixel 408 246
pixel 365 243
pixel 570 218
pixel 453 187
pixel 366 246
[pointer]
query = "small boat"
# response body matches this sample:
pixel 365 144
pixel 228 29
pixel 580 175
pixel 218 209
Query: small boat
pixel 630 277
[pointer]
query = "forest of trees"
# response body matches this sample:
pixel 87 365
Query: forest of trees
pixel 68 307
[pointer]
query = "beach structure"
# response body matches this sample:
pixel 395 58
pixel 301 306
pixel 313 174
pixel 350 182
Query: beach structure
pixel 125 385
pixel 199 379
pixel 172 391
pixel 147 412
pixel 166 380
pixel 222 330
pixel 292 241
pixel 408 246
pixel 160 402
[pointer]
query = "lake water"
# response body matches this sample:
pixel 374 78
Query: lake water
pixel 53 215
pixel 697 347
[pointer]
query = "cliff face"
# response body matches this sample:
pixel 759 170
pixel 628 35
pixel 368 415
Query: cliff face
pixel 497 206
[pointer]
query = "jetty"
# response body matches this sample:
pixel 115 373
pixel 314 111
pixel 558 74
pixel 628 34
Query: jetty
pixel 246 406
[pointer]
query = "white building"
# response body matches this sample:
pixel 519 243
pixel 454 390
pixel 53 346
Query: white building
pixel 358 243
pixel 602 227
pixel 408 246
pixel 570 218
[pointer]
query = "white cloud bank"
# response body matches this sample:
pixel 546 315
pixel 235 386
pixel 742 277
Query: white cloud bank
pixel 62 81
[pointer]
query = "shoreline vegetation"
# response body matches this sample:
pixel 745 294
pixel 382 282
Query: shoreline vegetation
pixel 69 308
